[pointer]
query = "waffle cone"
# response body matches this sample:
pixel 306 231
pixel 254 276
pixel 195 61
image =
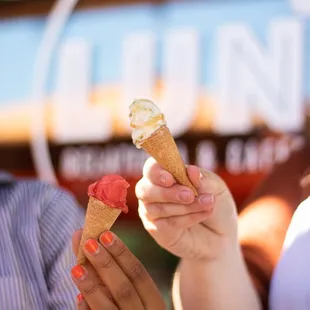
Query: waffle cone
pixel 162 147
pixel 99 218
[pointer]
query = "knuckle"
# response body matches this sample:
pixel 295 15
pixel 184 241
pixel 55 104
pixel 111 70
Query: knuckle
pixel 170 195
pixel 90 288
pixel 109 305
pixel 149 165
pixel 124 292
pixel 120 250
pixel 138 188
pixel 156 209
pixel 137 271
pixel 105 262
pixel 142 210
pixel 172 221
pixel 142 189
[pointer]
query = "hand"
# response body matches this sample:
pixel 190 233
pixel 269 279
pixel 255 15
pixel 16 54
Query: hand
pixel 201 227
pixel 113 277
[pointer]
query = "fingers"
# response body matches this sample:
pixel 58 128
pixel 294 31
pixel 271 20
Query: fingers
pixel 205 181
pixel 92 290
pixel 116 270
pixel 148 192
pixel 182 221
pixel 168 232
pixel 155 211
pixel 158 185
pixel 156 174
pixel 93 283
pixel 211 183
pixel 111 274
pixel 81 303
pixel 134 270
pixel 194 175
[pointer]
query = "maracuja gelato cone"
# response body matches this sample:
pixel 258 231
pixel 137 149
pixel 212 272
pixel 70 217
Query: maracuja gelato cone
pixel 150 132
pixel 107 199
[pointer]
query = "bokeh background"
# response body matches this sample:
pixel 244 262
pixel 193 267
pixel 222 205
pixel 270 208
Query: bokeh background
pixel 231 77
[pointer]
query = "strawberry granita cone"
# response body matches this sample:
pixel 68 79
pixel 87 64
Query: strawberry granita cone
pixel 107 199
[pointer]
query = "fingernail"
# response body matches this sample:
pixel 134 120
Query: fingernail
pixel 80 298
pixel 185 196
pixel 78 272
pixel 92 246
pixel 163 178
pixel 206 199
pixel 107 238
pixel 201 178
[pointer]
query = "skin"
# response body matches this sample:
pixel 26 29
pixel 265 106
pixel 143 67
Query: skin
pixel 113 277
pixel 203 232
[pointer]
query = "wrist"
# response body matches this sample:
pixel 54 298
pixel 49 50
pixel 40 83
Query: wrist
pixel 227 251
pixel 225 277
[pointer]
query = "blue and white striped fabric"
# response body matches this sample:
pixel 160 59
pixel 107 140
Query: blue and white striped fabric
pixel 36 225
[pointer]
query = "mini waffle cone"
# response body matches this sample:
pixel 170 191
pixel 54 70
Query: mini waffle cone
pixel 99 218
pixel 162 147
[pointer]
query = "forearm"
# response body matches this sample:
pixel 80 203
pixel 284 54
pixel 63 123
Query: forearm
pixel 218 285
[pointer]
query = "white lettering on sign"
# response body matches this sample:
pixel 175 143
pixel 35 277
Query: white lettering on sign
pixel 266 154
pixel 181 67
pixel 253 81
pixel 301 7
pixel 138 71
pixel 91 162
pixel 75 120
pixel 283 150
pixel 206 155
pixel 250 156
pixel 233 162
pixel 254 155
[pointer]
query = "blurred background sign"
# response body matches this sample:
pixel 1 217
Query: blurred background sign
pixel 232 78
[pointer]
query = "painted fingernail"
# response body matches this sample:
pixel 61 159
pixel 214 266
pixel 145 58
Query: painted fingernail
pixel 107 238
pixel 92 246
pixel 78 272
pixel 185 196
pixel 206 199
pixel 79 298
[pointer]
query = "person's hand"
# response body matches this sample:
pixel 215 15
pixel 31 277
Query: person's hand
pixel 113 277
pixel 201 227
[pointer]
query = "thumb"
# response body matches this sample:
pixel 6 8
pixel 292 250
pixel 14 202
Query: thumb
pixel 224 217
pixel 206 181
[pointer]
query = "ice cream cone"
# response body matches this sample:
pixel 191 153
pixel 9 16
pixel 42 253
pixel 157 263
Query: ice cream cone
pixel 162 147
pixel 99 218
pixel 150 132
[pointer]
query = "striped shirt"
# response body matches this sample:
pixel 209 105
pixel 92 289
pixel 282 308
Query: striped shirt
pixel 37 221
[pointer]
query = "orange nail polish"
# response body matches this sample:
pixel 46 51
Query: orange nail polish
pixel 80 298
pixel 78 272
pixel 92 246
pixel 107 238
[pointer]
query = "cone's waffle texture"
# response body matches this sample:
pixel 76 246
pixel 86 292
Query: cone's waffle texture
pixel 99 217
pixel 162 147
